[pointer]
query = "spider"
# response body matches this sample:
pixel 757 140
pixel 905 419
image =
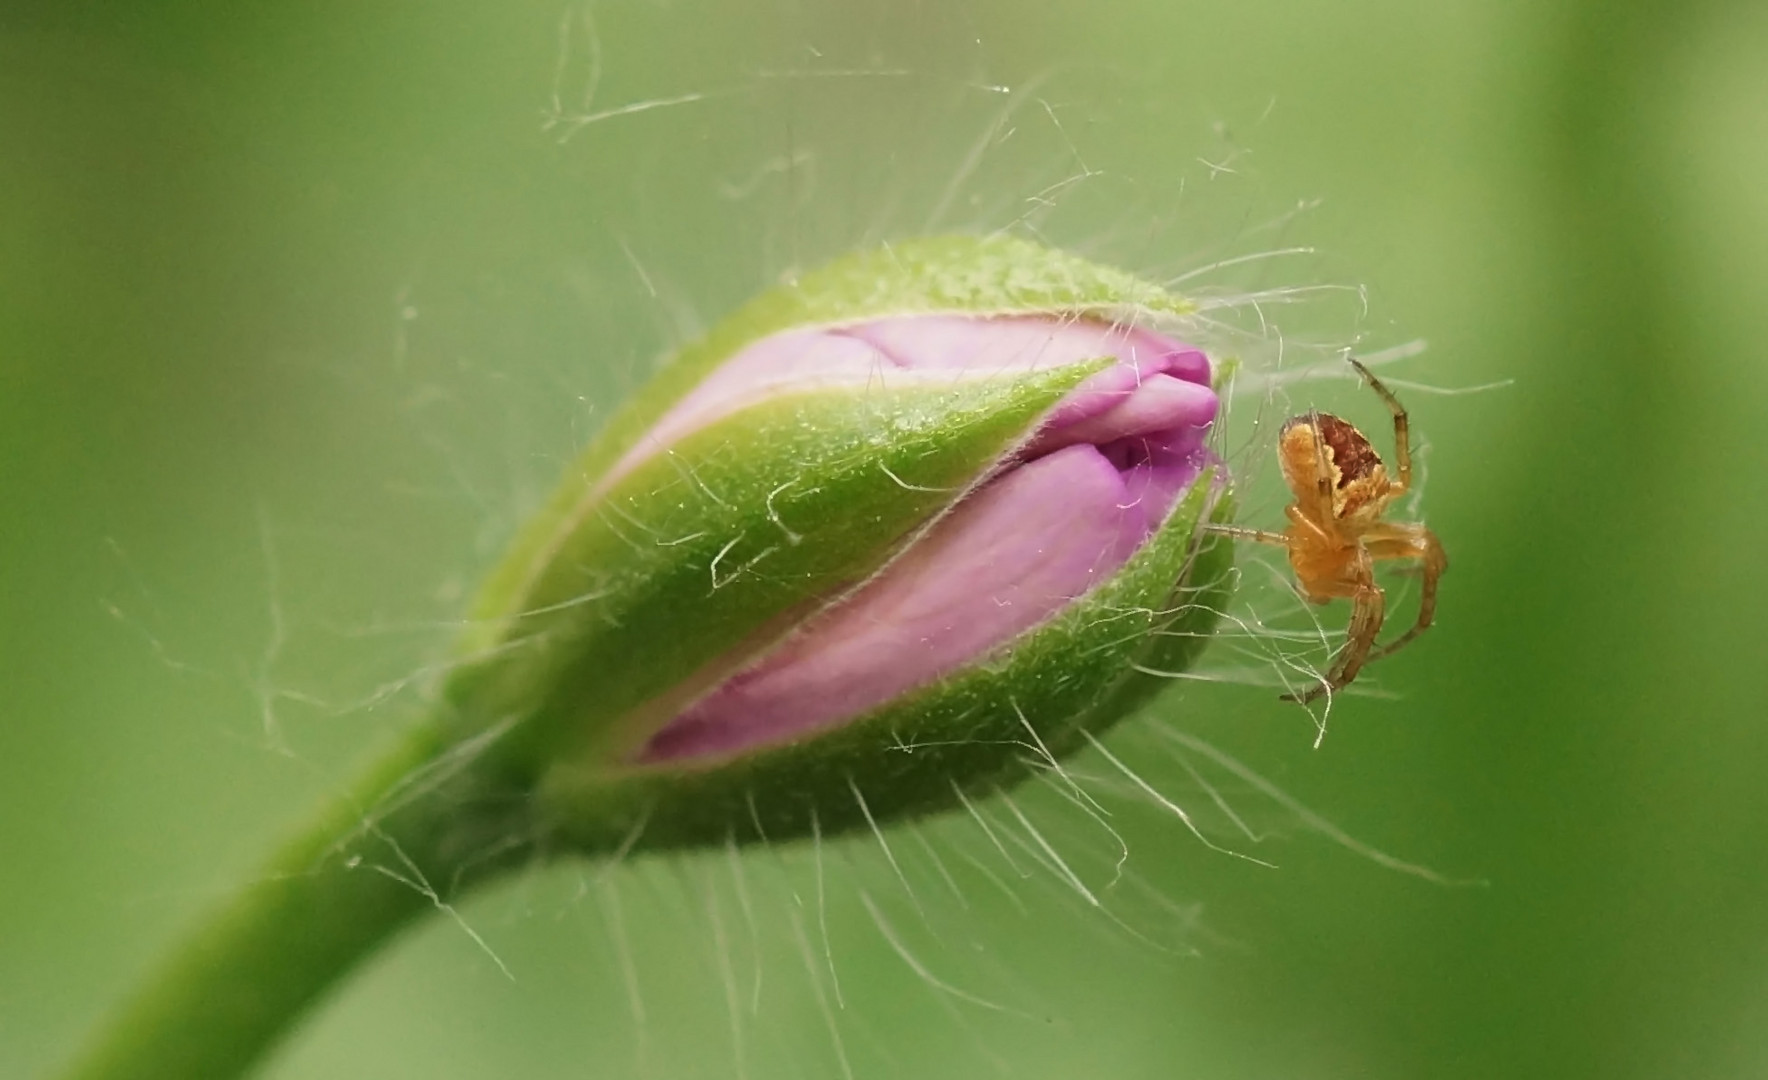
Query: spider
pixel 1336 534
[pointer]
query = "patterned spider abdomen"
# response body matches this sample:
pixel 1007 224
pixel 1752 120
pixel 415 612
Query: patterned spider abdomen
pixel 1324 455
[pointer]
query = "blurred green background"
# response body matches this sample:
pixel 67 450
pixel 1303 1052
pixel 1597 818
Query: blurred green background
pixel 302 305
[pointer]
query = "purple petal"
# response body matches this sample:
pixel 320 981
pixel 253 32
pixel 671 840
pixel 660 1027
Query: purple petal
pixel 1097 478
pixel 1109 389
pixel 999 564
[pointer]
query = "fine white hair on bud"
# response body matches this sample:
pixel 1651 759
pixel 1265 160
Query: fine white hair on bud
pixel 852 552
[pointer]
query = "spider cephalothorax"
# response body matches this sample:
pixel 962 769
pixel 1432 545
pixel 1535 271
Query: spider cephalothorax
pixel 1336 534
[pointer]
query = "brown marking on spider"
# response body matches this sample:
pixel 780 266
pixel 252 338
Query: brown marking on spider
pixel 1336 535
pixel 1351 455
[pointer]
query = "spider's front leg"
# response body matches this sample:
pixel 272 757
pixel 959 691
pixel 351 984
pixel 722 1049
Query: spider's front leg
pixel 1402 428
pixel 1241 532
pixel 1368 607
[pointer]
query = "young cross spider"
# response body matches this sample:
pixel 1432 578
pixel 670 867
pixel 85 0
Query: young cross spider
pixel 1336 535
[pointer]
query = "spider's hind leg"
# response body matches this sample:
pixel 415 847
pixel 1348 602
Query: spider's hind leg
pixel 1368 608
pixel 1412 542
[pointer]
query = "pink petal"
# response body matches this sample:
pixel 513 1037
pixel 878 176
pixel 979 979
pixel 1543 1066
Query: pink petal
pixel 1156 405
pixel 1062 513
pixel 999 564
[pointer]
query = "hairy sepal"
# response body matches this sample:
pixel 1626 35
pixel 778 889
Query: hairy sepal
pixel 692 556
pixel 966 737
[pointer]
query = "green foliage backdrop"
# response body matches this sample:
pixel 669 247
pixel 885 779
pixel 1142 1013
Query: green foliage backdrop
pixel 301 306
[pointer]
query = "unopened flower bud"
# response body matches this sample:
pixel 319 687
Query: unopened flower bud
pixel 855 552
pixel 889 538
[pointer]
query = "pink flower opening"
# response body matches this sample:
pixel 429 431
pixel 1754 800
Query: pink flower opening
pixel 1063 513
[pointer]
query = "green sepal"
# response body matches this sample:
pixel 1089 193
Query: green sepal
pixel 966 736
pixel 693 557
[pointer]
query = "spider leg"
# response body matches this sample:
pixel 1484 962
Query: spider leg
pixel 1257 536
pixel 1307 528
pixel 1415 542
pixel 1322 505
pixel 1368 607
pixel 1402 428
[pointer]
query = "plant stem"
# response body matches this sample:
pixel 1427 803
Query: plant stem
pixel 237 984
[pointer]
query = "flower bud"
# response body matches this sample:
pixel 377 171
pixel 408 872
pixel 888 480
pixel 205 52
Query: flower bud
pixel 883 534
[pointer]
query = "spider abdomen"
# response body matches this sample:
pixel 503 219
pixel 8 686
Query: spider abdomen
pixel 1328 463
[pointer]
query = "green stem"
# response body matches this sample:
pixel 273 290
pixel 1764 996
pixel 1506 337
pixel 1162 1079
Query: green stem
pixel 392 847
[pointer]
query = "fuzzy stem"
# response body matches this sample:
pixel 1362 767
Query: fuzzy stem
pixel 247 973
